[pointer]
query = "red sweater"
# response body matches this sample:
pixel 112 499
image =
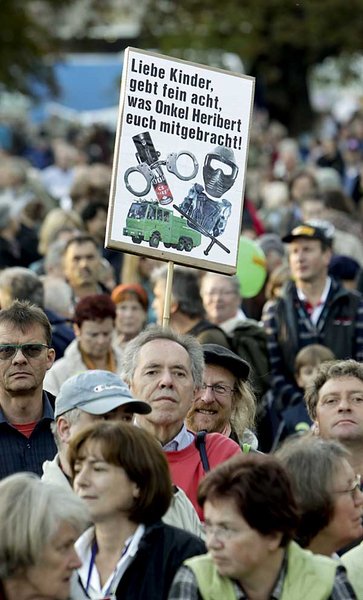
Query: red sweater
pixel 186 467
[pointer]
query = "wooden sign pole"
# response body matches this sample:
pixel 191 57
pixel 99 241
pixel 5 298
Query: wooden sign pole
pixel 168 288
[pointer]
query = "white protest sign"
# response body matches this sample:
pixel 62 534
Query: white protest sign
pixel 180 161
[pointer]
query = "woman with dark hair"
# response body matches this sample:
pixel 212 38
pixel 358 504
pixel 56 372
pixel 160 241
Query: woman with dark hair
pixel 122 475
pixel 93 347
pixel 327 493
pixel 250 520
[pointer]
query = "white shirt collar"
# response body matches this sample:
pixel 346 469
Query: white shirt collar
pixel 84 550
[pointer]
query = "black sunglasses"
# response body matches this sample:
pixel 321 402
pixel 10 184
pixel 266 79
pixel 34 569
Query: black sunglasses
pixel 29 350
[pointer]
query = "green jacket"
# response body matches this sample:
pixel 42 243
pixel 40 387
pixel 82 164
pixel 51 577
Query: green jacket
pixel 308 576
pixel 353 562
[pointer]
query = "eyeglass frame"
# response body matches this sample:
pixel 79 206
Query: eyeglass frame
pixel 220 293
pixel 227 389
pixel 16 347
pixel 356 486
pixel 220 532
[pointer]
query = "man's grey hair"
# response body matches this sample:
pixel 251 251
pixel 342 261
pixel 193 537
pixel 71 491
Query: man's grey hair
pixel 232 280
pixel 71 416
pixel 22 284
pixel 53 257
pixel 58 296
pixel 185 289
pixel 155 332
pixel 31 512
pixel 332 369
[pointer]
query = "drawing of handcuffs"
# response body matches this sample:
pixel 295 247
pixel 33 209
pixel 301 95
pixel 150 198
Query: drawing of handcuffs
pixel 150 167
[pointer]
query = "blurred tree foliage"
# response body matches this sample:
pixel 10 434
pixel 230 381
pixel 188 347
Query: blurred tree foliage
pixel 27 37
pixel 34 33
pixel 278 41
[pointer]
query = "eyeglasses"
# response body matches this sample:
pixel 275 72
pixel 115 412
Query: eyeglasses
pixel 220 532
pixel 352 490
pixel 7 351
pixel 218 389
pixel 220 293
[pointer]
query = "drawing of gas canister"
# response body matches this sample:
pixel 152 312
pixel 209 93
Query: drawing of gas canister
pixel 149 166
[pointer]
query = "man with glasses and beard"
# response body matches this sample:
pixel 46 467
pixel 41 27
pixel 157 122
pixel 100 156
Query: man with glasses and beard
pixel 26 440
pixel 225 403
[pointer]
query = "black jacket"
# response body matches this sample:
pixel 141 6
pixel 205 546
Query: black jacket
pixel 62 332
pixel 161 551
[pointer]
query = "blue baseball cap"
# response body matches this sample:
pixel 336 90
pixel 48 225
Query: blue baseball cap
pixel 97 392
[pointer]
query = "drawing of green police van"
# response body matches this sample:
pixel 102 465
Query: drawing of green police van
pixel 153 223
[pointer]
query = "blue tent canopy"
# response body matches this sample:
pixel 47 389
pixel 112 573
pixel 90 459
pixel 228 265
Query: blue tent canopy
pixel 86 83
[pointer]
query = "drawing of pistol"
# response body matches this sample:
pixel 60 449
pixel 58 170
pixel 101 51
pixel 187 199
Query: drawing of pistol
pixel 150 167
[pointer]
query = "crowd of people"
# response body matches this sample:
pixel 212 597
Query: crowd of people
pixel 218 457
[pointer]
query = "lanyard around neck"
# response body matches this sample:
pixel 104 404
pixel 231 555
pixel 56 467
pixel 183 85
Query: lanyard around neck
pixel 94 551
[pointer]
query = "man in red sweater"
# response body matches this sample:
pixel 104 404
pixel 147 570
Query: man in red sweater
pixel 165 369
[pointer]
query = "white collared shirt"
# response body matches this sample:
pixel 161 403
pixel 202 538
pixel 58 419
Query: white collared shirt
pixel 230 325
pixel 83 547
pixel 315 315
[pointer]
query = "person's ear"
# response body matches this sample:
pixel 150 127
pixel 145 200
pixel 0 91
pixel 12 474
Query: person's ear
pixel 136 491
pixel 174 307
pixel 316 428
pixel 76 329
pixel 63 429
pixel 274 541
pixel 50 358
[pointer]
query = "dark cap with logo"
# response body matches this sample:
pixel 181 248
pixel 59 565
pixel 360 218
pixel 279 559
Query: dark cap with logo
pixel 311 231
pixel 97 392
pixel 215 354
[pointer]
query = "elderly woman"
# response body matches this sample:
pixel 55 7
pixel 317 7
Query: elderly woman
pixel 327 492
pixel 122 475
pixel 131 311
pixel 39 523
pixel 250 519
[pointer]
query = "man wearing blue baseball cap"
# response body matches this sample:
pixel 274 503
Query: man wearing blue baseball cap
pixel 82 399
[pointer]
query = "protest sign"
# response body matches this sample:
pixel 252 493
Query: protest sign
pixel 180 160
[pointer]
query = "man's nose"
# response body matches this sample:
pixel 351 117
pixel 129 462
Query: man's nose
pixel 166 379
pixel 19 356
pixel 344 403
pixel 102 337
pixel 207 394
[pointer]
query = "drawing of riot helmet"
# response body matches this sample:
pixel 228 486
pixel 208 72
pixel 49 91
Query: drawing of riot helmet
pixel 219 171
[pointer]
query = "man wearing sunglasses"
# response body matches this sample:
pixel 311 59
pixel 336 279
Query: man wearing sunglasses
pixel 26 440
